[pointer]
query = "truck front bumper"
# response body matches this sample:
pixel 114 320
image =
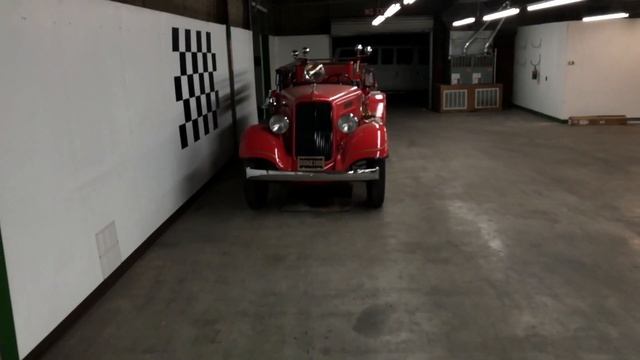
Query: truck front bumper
pixel 277 175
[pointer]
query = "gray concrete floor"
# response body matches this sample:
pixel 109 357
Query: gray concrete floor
pixel 504 236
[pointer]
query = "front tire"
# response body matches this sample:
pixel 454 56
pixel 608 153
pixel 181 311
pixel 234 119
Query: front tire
pixel 256 193
pixel 376 188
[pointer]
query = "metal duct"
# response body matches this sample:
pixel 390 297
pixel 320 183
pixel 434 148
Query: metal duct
pixel 493 35
pixel 475 35
pixel 473 38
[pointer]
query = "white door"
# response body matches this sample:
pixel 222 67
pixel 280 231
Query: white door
pixel 406 70
pixel 386 72
pixel 423 70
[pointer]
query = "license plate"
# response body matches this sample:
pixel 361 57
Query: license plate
pixel 311 163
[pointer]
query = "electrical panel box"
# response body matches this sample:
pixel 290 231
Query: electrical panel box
pixel 472 69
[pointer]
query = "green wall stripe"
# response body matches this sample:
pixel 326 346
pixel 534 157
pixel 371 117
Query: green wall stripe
pixel 8 343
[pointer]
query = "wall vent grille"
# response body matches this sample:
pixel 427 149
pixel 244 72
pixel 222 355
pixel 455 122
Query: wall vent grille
pixel 454 99
pixel 487 98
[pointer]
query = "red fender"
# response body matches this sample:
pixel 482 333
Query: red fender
pixel 377 105
pixel 258 142
pixel 369 141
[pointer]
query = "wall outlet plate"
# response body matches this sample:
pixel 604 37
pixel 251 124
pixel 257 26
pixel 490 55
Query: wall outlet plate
pixel 108 249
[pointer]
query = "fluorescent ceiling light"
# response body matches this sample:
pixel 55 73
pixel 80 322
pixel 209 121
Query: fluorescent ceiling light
pixel 392 10
pixel 501 14
pixel 550 3
pixel 408 2
pixel 605 17
pixel 466 21
pixel 377 21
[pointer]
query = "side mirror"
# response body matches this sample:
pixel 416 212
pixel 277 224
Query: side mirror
pixel 369 79
pixel 270 101
pixel 314 72
pixel 368 50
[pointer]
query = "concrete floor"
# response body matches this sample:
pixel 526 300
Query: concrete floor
pixel 504 236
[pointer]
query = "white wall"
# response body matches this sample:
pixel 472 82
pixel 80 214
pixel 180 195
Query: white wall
pixel 89 135
pixel 546 43
pixel 280 49
pixel 605 79
pixel 244 78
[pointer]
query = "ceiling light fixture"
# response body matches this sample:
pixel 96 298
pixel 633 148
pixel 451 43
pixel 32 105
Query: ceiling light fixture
pixel 377 21
pixel 392 10
pixel 408 2
pixel 466 21
pixel 605 17
pixel 550 3
pixel 501 14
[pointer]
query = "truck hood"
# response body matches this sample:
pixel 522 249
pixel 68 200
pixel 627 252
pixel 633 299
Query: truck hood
pixel 319 92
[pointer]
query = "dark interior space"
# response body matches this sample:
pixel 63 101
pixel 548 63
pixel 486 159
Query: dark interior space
pixel 418 48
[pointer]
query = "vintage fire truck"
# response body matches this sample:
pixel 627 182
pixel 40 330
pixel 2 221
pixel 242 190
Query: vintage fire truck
pixel 325 122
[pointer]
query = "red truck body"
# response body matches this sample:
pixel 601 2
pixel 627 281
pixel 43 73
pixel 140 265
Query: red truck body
pixel 329 128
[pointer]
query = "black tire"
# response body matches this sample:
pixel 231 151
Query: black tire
pixel 376 188
pixel 256 193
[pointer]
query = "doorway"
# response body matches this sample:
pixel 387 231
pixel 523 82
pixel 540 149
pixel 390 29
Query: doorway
pixel 8 343
pixel 401 62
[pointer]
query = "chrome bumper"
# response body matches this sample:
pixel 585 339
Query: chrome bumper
pixel 276 175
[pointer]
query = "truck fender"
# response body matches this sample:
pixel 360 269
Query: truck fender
pixel 377 105
pixel 369 141
pixel 258 142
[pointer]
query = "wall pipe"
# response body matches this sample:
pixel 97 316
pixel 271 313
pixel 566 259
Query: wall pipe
pixel 475 35
pixel 473 38
pixel 493 35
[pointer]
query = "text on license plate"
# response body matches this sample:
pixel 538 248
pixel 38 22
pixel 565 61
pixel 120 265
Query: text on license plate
pixel 311 163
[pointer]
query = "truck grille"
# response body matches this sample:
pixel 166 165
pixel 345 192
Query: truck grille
pixel 313 130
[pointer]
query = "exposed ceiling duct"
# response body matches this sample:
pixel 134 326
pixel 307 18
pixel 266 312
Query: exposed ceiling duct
pixel 487 45
pixel 473 37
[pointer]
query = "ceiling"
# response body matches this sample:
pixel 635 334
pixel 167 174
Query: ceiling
pixel 465 8
pixel 451 10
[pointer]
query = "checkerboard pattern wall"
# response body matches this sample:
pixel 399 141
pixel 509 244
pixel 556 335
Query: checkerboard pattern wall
pixel 195 87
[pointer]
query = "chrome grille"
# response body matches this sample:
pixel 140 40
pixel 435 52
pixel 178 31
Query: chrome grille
pixel 314 130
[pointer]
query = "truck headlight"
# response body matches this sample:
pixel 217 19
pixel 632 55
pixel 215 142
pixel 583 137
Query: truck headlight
pixel 348 123
pixel 279 124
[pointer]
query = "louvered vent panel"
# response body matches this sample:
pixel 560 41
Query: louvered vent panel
pixel 487 98
pixel 454 100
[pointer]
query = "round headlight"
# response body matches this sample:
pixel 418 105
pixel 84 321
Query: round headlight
pixel 348 123
pixel 279 124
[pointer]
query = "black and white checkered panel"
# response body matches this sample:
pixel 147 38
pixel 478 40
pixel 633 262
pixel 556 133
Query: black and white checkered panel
pixel 195 86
